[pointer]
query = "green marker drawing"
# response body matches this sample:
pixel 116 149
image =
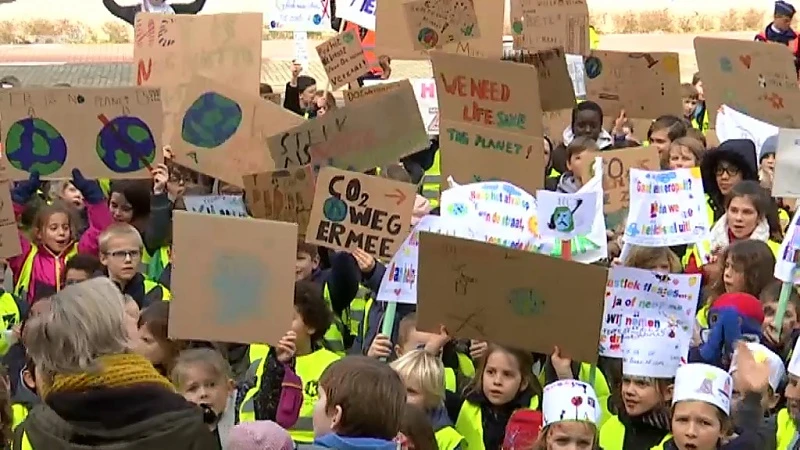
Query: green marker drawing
pixel 467 30
pixel 517 27
pixel 347 38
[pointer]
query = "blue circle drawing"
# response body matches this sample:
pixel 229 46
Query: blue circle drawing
pixel 211 120
pixel 273 24
pixel 239 282
pixel 317 19
pixel 725 64
pixel 124 142
pixel 457 209
pixel 334 209
pixel 33 144
pixel 593 66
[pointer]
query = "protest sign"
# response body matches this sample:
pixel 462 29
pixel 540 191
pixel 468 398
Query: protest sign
pixel 399 282
pixel 538 25
pixel 565 216
pixel 486 292
pixel 506 212
pixel 644 304
pixel 105 132
pixel 298 15
pixel 342 58
pixel 732 124
pixel 666 208
pixel 577 74
pixel 370 88
pixel 274 98
pixel 645 85
pixel 360 12
pixel 425 91
pixel 220 205
pixel 9 233
pixel 784 264
pixel 787 164
pixel 285 195
pixel 556 86
pixel 238 284
pixel 434 24
pixel 354 210
pixel 755 78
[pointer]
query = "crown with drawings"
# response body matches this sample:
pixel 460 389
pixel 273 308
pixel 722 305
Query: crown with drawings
pixel 705 383
pixel 570 400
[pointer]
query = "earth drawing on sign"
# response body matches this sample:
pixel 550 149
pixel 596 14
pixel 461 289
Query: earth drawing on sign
pixel 238 281
pixel 33 144
pixel 125 143
pixel 211 120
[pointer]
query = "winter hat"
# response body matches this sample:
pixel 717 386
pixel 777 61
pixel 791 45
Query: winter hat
pixel 769 147
pixel 259 435
pixel 784 9
pixel 746 304
pixel 762 354
pixel 523 429
pixel 304 81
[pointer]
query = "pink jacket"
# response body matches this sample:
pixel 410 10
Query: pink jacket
pixel 48 268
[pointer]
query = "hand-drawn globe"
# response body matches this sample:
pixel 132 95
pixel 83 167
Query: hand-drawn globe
pixel 334 209
pixel 428 37
pixel 593 67
pixel 123 142
pixel 34 144
pixel 211 120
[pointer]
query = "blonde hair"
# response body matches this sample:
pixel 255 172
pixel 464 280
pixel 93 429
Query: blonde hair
pixel 84 322
pixel 116 231
pixel 57 188
pixel 648 257
pixel 424 371
pixel 206 357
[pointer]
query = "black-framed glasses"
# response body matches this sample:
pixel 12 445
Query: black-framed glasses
pixel 124 254
pixel 732 171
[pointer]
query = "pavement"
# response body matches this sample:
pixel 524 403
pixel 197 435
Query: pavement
pixel 99 65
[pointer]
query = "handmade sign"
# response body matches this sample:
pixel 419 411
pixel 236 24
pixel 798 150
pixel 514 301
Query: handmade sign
pixel 360 12
pixel 298 15
pixel 425 91
pixel 9 233
pixel 394 40
pixel 508 213
pixel 538 25
pixel 784 264
pixel 732 124
pixel 399 282
pixel 755 78
pixel 342 58
pixel 352 138
pixel 472 154
pixel 616 176
pixel 576 74
pixel 370 88
pixel 556 86
pixel 354 210
pixel 239 284
pixel 644 304
pixel 220 205
pixel 645 85
pixel 486 292
pixel 104 132
pixel 555 122
pixel 285 195
pixel 666 208
pixel 169 50
pixel 434 24
pixel 500 95
pixel 565 216
pixel 787 164
pixel 301 53
pixel 268 120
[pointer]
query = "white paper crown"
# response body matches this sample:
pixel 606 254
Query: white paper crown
pixel 794 363
pixel 764 355
pixel 704 383
pixel 570 400
pixel 650 357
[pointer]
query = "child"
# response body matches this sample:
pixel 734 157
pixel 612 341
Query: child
pixel 423 375
pixel 503 383
pixel 360 405
pixel 724 167
pixel 683 153
pixel 120 254
pixel 750 214
pixel 657 259
pixel 766 161
pixel 577 156
pixel 154 342
pixel 416 431
pixel 700 115
pixel 648 368
pixel 744 405
pixel 663 131
pixel 81 267
pixel 324 102
pixel 782 345
pixel 40 265
pixel 789 417
pixel 571 414
pixel 690 98
pixel 65 191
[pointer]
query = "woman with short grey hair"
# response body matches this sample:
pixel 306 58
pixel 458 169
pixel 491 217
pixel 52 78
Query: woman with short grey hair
pixel 96 392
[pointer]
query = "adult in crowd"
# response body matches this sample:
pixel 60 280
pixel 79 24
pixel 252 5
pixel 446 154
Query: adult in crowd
pixel 780 30
pixel 128 13
pixel 96 393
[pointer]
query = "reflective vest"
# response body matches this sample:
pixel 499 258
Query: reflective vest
pixel 466 368
pixel 368 44
pixel 9 311
pixel 355 312
pixel 594 38
pixel 333 339
pixel 156 263
pixel 612 435
pixel 447 438
pixel 432 182
pixel 25 444
pixel 19 413
pixel 149 285
pixel 786 430
pixel 470 423
pixel 26 272
pixel 794 44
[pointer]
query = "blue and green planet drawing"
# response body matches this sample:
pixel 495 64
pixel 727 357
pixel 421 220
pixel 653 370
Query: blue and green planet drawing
pixel 211 120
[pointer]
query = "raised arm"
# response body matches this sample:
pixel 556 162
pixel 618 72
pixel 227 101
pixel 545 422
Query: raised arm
pixel 126 13
pixel 188 8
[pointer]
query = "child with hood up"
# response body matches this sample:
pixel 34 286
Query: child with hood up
pixel 722 168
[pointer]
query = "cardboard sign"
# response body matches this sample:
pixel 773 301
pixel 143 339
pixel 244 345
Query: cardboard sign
pixel 556 86
pixel 298 15
pixel 9 233
pixel 538 25
pixel 486 292
pixel 284 195
pixel 343 58
pixel 274 98
pixel 105 132
pixel 232 286
pixel 394 37
pixel 169 50
pixel 357 137
pixel 617 165
pixel 427 101
pixel 219 205
pixel 499 95
pixel 472 154
pixel 755 78
pixel 370 88
pixel 645 85
pixel 434 24
pixel 360 12
pixel 555 122
pixel 353 210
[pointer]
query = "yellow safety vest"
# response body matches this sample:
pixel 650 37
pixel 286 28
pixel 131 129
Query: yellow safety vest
pixel 26 444
pixel 156 263
pixel 9 312
pixel 355 312
pixel 432 181
pixel 20 413
pixel 786 430
pixel 470 423
pixel 333 339
pixel 612 435
pixel 149 285
pixel 26 272
pixel 594 38
pixel 448 438
pixel 465 366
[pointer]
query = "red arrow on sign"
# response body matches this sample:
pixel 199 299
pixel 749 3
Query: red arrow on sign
pixel 399 195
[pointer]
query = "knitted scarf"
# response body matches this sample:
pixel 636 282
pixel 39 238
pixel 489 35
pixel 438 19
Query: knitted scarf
pixel 119 370
pixel 163 8
pixel 719 233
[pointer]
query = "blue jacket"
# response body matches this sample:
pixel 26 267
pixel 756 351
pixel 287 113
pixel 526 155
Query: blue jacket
pixel 333 440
